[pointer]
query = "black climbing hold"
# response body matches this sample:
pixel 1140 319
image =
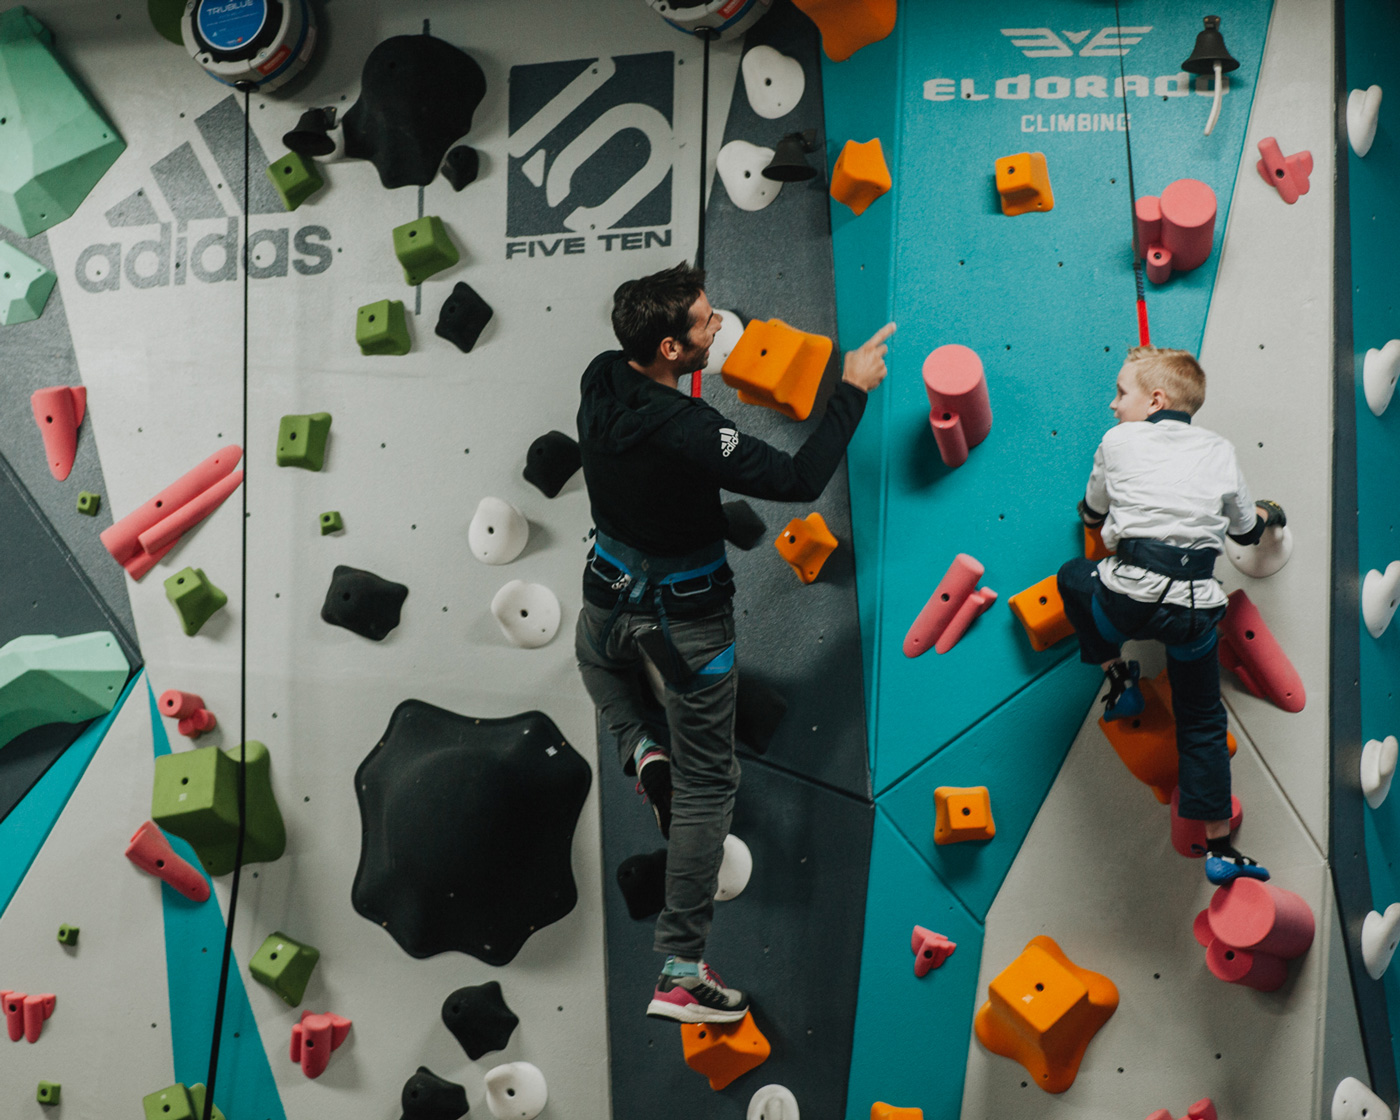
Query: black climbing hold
pixel 363 602
pixel 758 709
pixel 311 137
pixel 742 527
pixel 642 880
pixel 551 462
pixel 417 97
pixel 426 1096
pixel 463 317
pixel 479 1018
pixel 468 830
pixel 461 166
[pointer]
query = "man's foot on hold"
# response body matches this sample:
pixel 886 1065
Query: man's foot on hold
pixel 1124 699
pixel 1224 864
pixel 691 992
pixel 654 784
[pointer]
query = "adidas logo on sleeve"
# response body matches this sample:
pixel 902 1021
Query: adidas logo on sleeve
pixel 728 441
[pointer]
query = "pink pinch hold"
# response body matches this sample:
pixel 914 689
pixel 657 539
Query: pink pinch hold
pixel 13 1005
pixel 1203 1109
pixel 1255 915
pixel 973 605
pixel 196 725
pixel 1187 832
pixel 959 409
pixel 1250 651
pixel 930 950
pixel 150 850
pixel 947 614
pixel 58 411
pixel 163 534
pixel 1263 972
pixel 1289 174
pixel 315 1038
pixel 179 705
pixel 37 1009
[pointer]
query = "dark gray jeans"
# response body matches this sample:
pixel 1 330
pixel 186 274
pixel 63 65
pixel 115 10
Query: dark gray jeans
pixel 704 770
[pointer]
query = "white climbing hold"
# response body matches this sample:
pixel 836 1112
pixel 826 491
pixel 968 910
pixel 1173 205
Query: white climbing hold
pixel 1380 934
pixel 1380 594
pixel 1378 758
pixel 1265 558
pixel 498 532
pixel 740 166
pixel 1353 1101
pixel 731 329
pixel 734 869
pixel 773 81
pixel 773 1102
pixel 516 1091
pixel 1363 114
pixel 1379 372
pixel 528 613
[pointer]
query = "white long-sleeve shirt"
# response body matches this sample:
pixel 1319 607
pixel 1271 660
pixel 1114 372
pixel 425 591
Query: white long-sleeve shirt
pixel 1163 479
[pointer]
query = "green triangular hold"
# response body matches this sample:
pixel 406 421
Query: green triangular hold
pixel 25 285
pixel 194 597
pixel 44 679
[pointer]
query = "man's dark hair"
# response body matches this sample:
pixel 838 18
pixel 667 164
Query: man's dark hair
pixel 654 308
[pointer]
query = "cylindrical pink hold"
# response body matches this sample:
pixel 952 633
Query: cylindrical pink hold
pixel 152 853
pixel 1159 262
pixel 1250 914
pixel 36 1010
pixel 14 1014
pixel 960 412
pixel 947 599
pixel 1186 832
pixel 1188 223
pixel 121 539
pixel 165 533
pixel 179 705
pixel 1148 212
pixel 1263 972
pixel 197 724
pixel 58 411
pixel 967 614
pixel 1200 929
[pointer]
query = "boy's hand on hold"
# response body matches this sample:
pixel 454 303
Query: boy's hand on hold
pixel 865 366
pixel 1271 513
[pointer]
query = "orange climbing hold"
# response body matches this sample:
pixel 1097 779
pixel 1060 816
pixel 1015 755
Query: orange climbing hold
pixel 860 175
pixel 724 1051
pixel 848 25
pixel 805 543
pixel 1041 611
pixel 777 366
pixel 962 814
pixel 1043 1011
pixel 1147 742
pixel 882 1111
pixel 1094 548
pixel 1023 181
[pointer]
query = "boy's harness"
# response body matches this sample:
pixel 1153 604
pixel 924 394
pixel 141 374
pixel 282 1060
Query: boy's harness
pixel 1179 565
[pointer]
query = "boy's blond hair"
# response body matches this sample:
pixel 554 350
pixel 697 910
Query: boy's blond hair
pixel 1175 372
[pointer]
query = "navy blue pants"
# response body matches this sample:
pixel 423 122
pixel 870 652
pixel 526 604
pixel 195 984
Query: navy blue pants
pixel 1203 774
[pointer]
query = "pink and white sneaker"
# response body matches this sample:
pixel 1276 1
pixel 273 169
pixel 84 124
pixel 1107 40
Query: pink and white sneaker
pixel 697 999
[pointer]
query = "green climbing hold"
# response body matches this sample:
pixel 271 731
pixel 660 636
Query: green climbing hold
pixel 49 1092
pixel 44 679
pixel 296 178
pixel 301 440
pixel 55 144
pixel 194 597
pixel 423 248
pixel 67 935
pixel 380 328
pixel 178 1103
pixel 89 503
pixel 331 522
pixel 285 966
pixel 196 798
pixel 197 1092
pixel 25 285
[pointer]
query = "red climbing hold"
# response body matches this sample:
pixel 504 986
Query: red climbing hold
pixel 951 609
pixel 1253 654
pixel 315 1038
pixel 25 1015
pixel 1289 174
pixel 58 411
pixel 151 852
pixel 930 950
pixel 959 409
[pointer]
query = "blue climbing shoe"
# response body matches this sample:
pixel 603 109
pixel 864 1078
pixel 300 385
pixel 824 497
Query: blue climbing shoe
pixel 1222 868
pixel 1124 699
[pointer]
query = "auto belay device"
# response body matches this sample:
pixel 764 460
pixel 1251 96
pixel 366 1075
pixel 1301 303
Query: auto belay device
pixel 250 44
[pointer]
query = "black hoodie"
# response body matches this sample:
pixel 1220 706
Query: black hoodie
pixel 655 459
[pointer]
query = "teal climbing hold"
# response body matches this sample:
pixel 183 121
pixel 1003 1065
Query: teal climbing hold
pixel 296 178
pixel 55 144
pixel 194 597
pixel 196 799
pixel 301 440
pixel 380 328
pixel 285 966
pixel 25 285
pixel 44 679
pixel 423 247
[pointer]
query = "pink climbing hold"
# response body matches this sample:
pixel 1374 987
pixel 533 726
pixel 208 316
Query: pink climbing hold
pixel 1289 174
pixel 151 852
pixel 166 532
pixel 1263 972
pixel 25 1015
pixel 1177 230
pixel 959 410
pixel 315 1038
pixel 951 609
pixel 930 950
pixel 1252 653
pixel 12 1003
pixel 186 707
pixel 58 411
pixel 1203 1109
pixel 192 727
pixel 1251 930
pixel 1187 833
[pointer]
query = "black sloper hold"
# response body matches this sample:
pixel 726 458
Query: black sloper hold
pixel 642 880
pixel 742 527
pixel 417 97
pixel 758 710
pixel 463 317
pixel 461 166
pixel 363 602
pixel 426 1096
pixel 479 1018
pixel 551 462
pixel 468 829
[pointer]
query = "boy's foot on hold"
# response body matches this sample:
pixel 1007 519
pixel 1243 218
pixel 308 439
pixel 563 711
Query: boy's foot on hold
pixel 1124 699
pixel 654 784
pixel 1224 864
pixel 696 995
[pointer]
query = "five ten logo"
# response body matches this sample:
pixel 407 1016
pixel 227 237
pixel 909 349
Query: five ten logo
pixel 206 237
pixel 728 441
pixel 1041 42
pixel 591 149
